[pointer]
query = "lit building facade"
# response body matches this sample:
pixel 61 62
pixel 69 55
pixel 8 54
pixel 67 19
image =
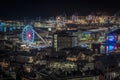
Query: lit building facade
pixel 63 39
pixel 9 25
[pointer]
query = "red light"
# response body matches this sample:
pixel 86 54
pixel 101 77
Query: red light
pixel 115 47
pixel 28 35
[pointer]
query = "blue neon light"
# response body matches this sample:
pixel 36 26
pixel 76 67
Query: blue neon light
pixel 10 29
pixel 2 27
pixel 110 47
pixel 111 38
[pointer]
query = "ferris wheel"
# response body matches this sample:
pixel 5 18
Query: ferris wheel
pixel 28 34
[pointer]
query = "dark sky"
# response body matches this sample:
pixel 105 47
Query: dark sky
pixel 18 9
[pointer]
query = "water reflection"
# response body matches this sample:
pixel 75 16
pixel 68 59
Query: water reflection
pixel 106 48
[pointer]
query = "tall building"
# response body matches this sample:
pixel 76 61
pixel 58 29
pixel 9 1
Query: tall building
pixel 63 39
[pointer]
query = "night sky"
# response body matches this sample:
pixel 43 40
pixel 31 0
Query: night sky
pixel 18 9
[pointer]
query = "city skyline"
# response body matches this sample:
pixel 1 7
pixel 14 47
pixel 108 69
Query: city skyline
pixel 18 9
pixel 59 40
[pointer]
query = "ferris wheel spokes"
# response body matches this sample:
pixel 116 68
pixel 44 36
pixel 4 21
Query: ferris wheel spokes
pixel 28 36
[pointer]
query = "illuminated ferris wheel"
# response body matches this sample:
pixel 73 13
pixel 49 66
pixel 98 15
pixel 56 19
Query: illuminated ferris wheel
pixel 28 34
